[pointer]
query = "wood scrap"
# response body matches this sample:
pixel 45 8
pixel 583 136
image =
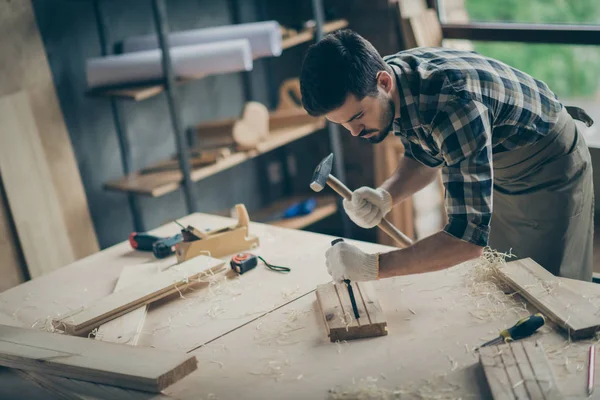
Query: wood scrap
pixel 25 69
pixel 127 328
pixel 156 287
pixel 198 159
pixel 336 308
pixel 94 361
pixel 518 370
pixel 553 298
pixel 33 200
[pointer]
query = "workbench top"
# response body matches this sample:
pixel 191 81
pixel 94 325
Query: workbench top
pixel 261 335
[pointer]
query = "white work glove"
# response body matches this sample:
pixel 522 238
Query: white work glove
pixel 346 261
pixel 368 206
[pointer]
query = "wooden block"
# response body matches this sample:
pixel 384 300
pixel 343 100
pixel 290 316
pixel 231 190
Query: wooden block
pixel 94 361
pixel 127 328
pixel 553 298
pixel 32 197
pixel 518 370
pixel 336 308
pixel 156 287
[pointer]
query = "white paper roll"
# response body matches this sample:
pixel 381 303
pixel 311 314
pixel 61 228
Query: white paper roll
pixel 188 62
pixel 264 37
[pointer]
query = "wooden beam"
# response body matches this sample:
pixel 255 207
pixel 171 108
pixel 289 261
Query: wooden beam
pixel 94 361
pixel 518 370
pixel 127 328
pixel 32 197
pixel 336 308
pixel 163 284
pixel 553 298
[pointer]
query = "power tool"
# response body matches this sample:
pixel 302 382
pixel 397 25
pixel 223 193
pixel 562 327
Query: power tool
pixel 161 247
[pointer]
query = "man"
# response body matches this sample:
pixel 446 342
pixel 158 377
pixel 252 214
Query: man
pixel 516 172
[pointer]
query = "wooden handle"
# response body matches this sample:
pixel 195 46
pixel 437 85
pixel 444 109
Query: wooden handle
pixel 394 232
pixel 339 187
pixel 242 214
pixel 385 225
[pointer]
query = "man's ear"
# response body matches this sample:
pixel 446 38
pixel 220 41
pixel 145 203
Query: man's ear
pixel 385 81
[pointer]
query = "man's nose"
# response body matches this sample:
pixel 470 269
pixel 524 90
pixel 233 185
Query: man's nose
pixel 356 129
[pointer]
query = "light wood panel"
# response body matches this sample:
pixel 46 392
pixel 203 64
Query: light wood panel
pixel 93 361
pixel 25 68
pixel 552 297
pixel 33 200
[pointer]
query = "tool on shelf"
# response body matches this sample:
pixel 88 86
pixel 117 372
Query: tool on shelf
pixel 161 247
pixel 217 243
pixel 522 329
pixel 322 176
pixel 244 262
pixel 349 286
pixel 297 209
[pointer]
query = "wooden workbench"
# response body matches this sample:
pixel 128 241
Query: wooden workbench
pixel 261 336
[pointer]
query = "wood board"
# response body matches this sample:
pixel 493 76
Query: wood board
pixel 156 287
pixel 27 70
pixel 518 370
pixel 94 361
pixel 336 308
pixel 553 298
pixel 127 328
pixel 33 200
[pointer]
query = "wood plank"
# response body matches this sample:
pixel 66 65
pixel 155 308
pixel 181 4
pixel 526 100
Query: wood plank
pixel 555 299
pixel 33 200
pixel 127 328
pixel 26 69
pixel 336 308
pixel 326 206
pixel 518 370
pixel 94 361
pixel 308 34
pixel 156 287
pixel 160 183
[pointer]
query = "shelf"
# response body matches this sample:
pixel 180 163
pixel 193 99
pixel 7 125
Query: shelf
pixel 308 34
pixel 326 206
pixel 139 92
pixel 160 183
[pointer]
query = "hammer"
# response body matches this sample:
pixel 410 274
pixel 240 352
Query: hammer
pixel 322 176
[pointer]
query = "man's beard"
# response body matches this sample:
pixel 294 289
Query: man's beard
pixel 387 120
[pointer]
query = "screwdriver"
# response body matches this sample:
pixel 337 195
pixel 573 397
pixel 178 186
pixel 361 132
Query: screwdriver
pixel 522 329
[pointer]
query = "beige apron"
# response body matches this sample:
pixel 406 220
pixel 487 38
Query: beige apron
pixel 543 201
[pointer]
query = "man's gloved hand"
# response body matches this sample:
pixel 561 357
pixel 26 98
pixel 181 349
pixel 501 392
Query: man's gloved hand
pixel 368 206
pixel 346 261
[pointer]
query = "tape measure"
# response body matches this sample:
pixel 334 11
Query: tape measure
pixel 244 262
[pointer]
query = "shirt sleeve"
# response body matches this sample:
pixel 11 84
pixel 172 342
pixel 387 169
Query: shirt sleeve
pixel 462 131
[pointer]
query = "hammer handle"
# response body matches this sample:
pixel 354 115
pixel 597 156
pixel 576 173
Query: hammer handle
pixel 385 225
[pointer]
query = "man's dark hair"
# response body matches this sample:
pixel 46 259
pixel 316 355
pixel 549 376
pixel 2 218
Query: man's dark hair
pixel 342 63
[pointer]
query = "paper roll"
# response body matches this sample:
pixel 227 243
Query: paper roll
pixel 264 37
pixel 188 62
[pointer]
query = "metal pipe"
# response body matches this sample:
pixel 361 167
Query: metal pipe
pixel 162 27
pixel 117 112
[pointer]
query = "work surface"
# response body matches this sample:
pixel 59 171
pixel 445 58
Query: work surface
pixel 261 335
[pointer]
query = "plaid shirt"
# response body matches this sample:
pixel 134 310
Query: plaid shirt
pixel 457 109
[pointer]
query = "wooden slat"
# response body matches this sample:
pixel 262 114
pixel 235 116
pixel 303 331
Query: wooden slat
pixel 161 183
pixel 518 370
pixel 127 328
pixel 25 69
pixel 33 200
pixel 553 298
pixel 158 286
pixel 336 308
pixel 80 358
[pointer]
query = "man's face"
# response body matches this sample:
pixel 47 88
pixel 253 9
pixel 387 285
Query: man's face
pixel 370 118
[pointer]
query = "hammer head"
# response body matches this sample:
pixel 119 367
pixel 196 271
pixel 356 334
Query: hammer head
pixel 321 173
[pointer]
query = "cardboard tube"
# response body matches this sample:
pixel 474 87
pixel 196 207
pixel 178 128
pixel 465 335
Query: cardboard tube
pixel 188 62
pixel 264 38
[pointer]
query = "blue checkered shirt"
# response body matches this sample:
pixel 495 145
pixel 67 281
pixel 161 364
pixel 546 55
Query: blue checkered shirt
pixel 457 108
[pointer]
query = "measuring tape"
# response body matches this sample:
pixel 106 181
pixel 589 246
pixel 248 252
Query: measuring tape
pixel 244 262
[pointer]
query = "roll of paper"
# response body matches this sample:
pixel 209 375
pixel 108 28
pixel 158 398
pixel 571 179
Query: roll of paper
pixel 264 37
pixel 188 62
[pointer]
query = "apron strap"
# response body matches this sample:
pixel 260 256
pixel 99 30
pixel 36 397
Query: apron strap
pixel 578 114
